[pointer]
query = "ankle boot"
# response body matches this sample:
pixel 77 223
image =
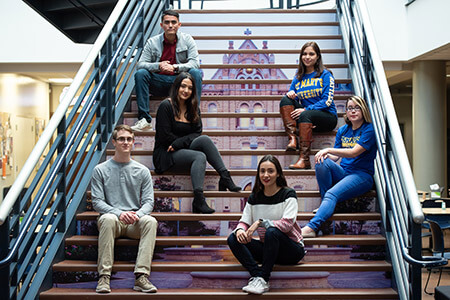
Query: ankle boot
pixel 290 126
pixel 199 204
pixel 305 147
pixel 225 182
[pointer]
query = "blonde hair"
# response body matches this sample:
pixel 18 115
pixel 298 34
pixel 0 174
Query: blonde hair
pixel 364 109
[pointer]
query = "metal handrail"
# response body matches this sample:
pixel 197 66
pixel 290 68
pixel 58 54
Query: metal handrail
pixel 401 213
pixel 78 145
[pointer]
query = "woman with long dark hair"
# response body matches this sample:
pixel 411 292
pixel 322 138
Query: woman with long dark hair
pixel 355 144
pixel 308 105
pixel 271 210
pixel 179 145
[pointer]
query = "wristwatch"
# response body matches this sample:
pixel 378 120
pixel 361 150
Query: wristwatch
pixel 175 68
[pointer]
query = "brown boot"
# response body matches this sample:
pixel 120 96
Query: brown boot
pixel 305 147
pixel 290 125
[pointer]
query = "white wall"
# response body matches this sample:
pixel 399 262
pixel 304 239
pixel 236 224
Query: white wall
pixel 27 37
pixel 405 32
pixel 24 99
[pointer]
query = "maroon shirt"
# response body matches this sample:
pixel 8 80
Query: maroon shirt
pixel 168 53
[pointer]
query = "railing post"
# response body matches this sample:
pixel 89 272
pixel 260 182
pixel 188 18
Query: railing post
pixel 4 249
pixel 62 172
pixel 416 252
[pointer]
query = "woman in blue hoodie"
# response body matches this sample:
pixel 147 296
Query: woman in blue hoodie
pixel 309 103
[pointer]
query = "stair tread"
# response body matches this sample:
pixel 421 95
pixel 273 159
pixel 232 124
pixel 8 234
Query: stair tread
pixel 261 81
pixel 240 133
pixel 262 51
pixel 221 293
pixel 268 37
pixel 338 239
pixel 225 115
pixel 240 97
pixel 229 152
pixel 192 266
pixel 227 216
pixel 260 24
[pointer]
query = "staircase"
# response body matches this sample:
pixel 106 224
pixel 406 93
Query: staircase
pixel 248 64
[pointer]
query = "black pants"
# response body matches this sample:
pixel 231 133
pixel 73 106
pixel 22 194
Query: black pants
pixel 322 120
pixel 277 248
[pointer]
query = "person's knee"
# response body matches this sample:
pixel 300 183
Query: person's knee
pixel 232 240
pixel 285 100
pixel 196 73
pixel 107 220
pixel 141 74
pixel 305 117
pixel 324 166
pixel 272 232
pixel 148 221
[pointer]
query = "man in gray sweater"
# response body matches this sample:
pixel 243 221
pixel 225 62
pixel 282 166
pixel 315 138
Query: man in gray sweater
pixel 122 192
pixel 164 56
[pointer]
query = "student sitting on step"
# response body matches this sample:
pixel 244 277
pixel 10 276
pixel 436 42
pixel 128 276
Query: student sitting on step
pixel 180 145
pixel 308 105
pixel 271 210
pixel 164 56
pixel 122 192
pixel 355 144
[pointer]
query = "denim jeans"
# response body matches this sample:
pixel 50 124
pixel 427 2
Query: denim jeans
pixel 277 248
pixel 158 85
pixel 336 186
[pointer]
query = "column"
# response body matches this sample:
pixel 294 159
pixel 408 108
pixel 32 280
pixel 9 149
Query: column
pixel 429 118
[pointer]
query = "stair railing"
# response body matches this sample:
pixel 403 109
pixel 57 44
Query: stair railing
pixel 399 203
pixel 72 144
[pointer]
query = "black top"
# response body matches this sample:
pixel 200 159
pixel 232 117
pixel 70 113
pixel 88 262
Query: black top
pixel 278 197
pixel 171 132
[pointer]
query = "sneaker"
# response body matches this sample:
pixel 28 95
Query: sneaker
pixel 257 286
pixel 103 284
pixel 142 284
pixel 142 125
pixel 244 289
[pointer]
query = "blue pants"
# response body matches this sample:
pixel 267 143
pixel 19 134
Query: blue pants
pixel 158 85
pixel 277 248
pixel 336 186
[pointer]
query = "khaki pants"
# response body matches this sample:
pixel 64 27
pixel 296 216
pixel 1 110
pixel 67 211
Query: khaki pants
pixel 111 228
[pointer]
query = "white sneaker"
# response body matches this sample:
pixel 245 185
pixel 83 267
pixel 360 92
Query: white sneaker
pixel 142 125
pixel 256 285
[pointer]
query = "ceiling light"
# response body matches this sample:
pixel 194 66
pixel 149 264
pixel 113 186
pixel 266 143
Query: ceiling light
pixel 61 80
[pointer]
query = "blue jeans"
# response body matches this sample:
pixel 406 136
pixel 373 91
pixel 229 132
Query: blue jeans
pixel 158 85
pixel 336 186
pixel 277 248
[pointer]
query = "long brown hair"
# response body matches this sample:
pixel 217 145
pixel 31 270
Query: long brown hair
pixel 191 104
pixel 364 109
pixel 281 180
pixel 318 67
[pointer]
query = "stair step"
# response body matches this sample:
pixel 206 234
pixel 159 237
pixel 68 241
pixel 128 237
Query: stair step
pixel 264 51
pixel 227 152
pixel 241 97
pixel 267 37
pixel 258 24
pixel 264 66
pixel 170 216
pixel 256 11
pixel 229 294
pixel 261 81
pixel 338 239
pixel 185 266
pixel 224 115
pixel 241 133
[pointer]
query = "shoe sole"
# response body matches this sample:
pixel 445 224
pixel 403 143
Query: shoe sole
pixel 139 289
pixel 103 291
pixel 257 293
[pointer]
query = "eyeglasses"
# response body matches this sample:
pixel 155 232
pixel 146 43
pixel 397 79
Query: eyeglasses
pixel 123 139
pixel 351 108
